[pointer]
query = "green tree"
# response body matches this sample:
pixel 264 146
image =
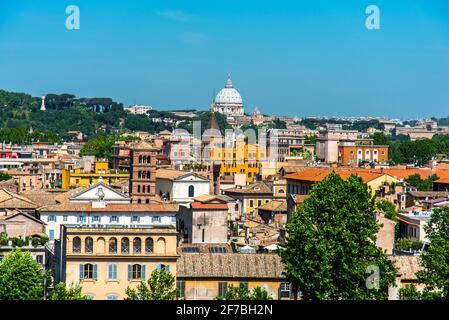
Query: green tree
pixel 21 277
pixel 61 292
pixel 380 139
pixel 421 184
pixel 242 293
pixel 161 286
pixel 388 208
pixel 4 176
pixel 99 146
pixel 435 260
pixel 331 250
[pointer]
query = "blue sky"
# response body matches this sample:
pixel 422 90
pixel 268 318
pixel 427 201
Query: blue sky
pixel 298 57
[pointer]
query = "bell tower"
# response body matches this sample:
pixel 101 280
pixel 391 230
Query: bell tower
pixel 142 183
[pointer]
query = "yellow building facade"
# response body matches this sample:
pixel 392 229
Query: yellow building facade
pixel 243 158
pixel 75 178
pixel 105 261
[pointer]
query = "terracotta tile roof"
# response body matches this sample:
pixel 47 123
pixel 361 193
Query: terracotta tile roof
pixel 41 197
pixel 428 194
pixel 121 207
pixel 407 266
pixel 209 198
pixel 9 199
pixel 256 187
pixel 209 206
pixel 274 205
pixel 174 174
pixel 229 265
pixel 318 174
pixel 299 198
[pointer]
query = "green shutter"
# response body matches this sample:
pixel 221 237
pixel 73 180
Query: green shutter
pixel 81 271
pixel 95 272
pixel 159 267
pixel 144 275
pixel 167 268
pixel 130 272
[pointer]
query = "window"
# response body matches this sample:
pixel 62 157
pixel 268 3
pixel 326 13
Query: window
pixel 149 243
pixel 164 267
pixel 81 219
pixel 259 202
pixel 222 288
pixel 284 290
pixel 51 234
pixel 136 219
pixel 112 297
pixel 39 258
pixel 218 250
pixel 157 219
pixel 190 250
pixel 181 286
pixel 65 218
pixel 251 203
pixel 88 245
pixel 137 245
pixel 51 217
pixel 125 245
pixel 112 271
pixel 113 245
pixel 136 272
pixel 191 191
pixel 96 218
pixel 114 219
pixel 88 271
pixel 76 245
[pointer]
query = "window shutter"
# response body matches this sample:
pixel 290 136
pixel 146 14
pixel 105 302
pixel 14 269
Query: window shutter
pixel 159 267
pixel 110 270
pixel 95 272
pixel 81 271
pixel 115 272
pixel 144 276
pixel 167 268
pixel 130 272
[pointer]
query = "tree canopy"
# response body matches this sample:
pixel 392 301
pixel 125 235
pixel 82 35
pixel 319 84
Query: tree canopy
pixel 160 286
pixel 331 250
pixel 243 293
pixel 21 277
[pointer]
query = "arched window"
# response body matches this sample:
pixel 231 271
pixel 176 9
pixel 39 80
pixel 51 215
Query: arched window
pixel 138 189
pixel 113 245
pixel 76 246
pixel 112 297
pixel 144 159
pixel 149 244
pixel 148 174
pixel 137 245
pixel 125 245
pixel 139 175
pixel 161 245
pixel 140 159
pixel 144 174
pixel 88 245
pixel 281 191
pixel 191 191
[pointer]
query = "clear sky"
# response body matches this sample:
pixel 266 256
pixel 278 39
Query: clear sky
pixel 298 57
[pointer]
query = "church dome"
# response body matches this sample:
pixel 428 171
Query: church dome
pixel 228 95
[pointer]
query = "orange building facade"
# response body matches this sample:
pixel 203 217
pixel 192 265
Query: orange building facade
pixel 354 155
